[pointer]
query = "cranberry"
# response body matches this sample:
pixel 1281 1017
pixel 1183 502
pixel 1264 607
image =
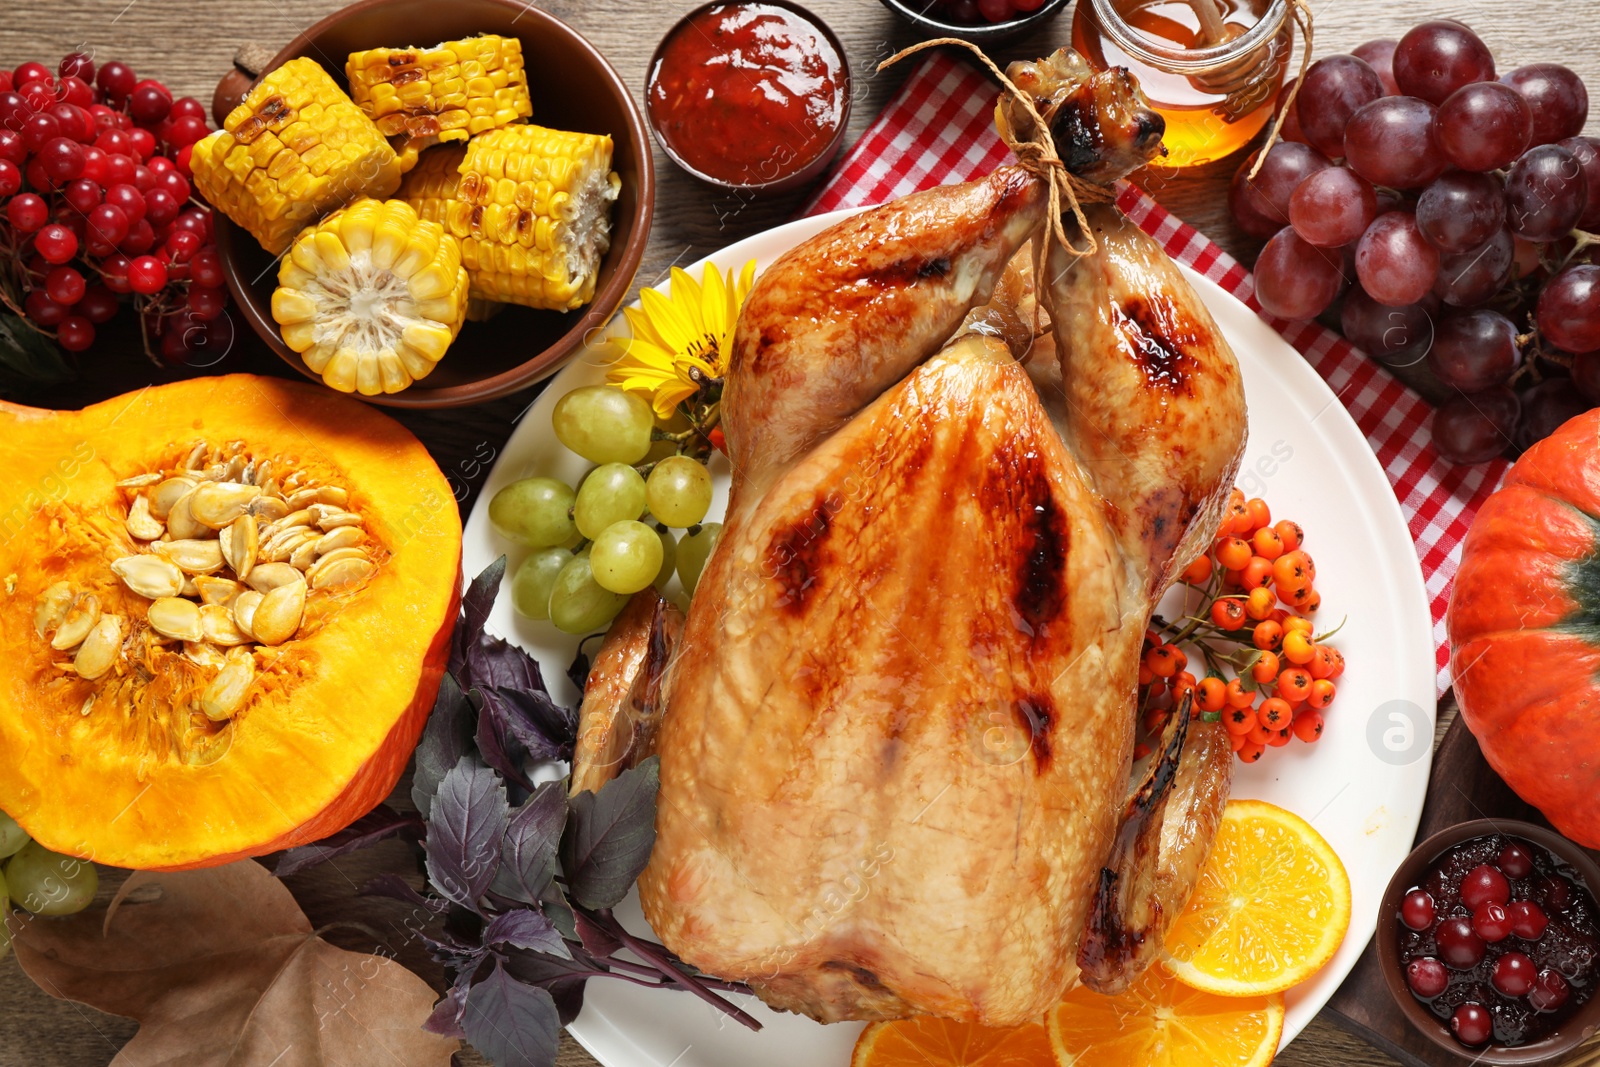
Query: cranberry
pixel 64 285
pixel 1514 974
pixel 147 275
pixel 1550 991
pixel 149 103
pixel 99 304
pixel 109 223
pixel 1557 893
pixel 10 178
pixel 1528 920
pixel 1492 922
pixel 1515 861
pixel 1472 1024
pixel 76 65
pixel 1427 977
pixel 56 243
pixel 1417 910
pixel 1459 946
pixel 1484 884
pixel 75 333
pixel 117 79
pixel 129 199
pixel 42 310
pixel 13 149
pixel 39 128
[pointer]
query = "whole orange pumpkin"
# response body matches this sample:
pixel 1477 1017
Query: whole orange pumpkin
pixel 1524 626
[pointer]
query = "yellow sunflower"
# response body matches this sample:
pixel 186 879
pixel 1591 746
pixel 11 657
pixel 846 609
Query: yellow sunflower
pixel 681 343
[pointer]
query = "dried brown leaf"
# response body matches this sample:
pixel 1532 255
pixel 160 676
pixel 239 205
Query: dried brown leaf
pixel 221 969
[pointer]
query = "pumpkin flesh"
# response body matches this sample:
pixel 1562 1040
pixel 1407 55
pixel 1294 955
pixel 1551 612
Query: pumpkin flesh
pixel 1524 626
pixel 137 777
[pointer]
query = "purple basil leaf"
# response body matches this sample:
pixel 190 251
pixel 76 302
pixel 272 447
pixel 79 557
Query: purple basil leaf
pixel 391 885
pixel 545 728
pixel 469 820
pixel 568 996
pixel 476 604
pixel 541 968
pixel 459 958
pixel 597 940
pixel 492 662
pixel 609 836
pixel 526 929
pixel 379 824
pixel 553 902
pixel 446 738
pixel 446 1018
pixel 512 1024
pixel 499 750
pixel 533 836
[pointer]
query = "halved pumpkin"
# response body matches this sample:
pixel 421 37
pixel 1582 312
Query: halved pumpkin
pixel 120 739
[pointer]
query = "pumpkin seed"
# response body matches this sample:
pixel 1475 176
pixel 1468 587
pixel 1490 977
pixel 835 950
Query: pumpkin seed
pixel 189 589
pixel 342 537
pixel 167 494
pixel 302 517
pixel 304 554
pixel 98 653
pixel 52 607
pixel 243 545
pixel 333 496
pixel 217 590
pixel 149 576
pixel 176 618
pixel 203 655
pixel 268 508
pixel 217 623
pixel 211 749
pixel 265 577
pixel 342 553
pixel 140 481
pixel 197 457
pixel 234 471
pixel 227 690
pixel 260 473
pixel 181 522
pixel 142 526
pixel 192 556
pixel 339 573
pixel 278 616
pixel 285 542
pixel 244 611
pixel 329 517
pixel 302 498
pixel 80 619
pixel 88 705
pixel 216 504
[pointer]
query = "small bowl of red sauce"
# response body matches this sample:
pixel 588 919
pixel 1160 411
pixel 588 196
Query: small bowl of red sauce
pixel 753 97
pixel 1489 938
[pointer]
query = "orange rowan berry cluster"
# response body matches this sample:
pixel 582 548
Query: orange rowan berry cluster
pixel 1257 592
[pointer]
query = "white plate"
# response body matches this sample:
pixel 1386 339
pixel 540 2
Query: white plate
pixel 1362 785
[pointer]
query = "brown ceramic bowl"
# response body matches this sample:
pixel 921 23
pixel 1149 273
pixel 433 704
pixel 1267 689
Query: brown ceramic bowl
pixel 573 88
pixel 1552 1049
pixel 788 182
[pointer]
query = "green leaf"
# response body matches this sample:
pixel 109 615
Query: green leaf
pixel 27 357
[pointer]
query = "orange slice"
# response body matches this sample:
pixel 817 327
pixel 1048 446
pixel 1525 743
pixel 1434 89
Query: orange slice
pixel 1271 908
pixel 928 1042
pixel 1160 1022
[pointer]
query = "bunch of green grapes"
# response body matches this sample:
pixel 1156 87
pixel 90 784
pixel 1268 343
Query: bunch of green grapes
pixel 597 545
pixel 38 880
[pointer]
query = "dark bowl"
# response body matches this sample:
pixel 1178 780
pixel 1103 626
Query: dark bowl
pixel 573 88
pixel 913 11
pixel 1552 1049
pixel 811 171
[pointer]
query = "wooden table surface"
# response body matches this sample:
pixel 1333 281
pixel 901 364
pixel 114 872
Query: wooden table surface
pixel 188 45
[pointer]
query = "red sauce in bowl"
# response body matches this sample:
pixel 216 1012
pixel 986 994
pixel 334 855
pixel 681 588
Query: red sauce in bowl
pixel 747 93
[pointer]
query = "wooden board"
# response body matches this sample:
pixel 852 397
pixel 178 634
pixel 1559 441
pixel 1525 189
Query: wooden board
pixel 1463 787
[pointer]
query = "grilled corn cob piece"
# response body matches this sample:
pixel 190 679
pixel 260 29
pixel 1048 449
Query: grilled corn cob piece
pixel 294 149
pixel 371 297
pixel 425 96
pixel 531 206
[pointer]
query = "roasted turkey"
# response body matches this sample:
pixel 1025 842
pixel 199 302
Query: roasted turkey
pixel 897 750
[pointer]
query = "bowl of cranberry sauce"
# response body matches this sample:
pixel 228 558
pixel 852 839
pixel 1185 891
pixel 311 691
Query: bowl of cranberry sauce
pixel 752 97
pixel 1489 936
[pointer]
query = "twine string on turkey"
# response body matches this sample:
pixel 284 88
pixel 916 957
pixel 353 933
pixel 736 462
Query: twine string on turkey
pixel 1036 154
pixel 1301 10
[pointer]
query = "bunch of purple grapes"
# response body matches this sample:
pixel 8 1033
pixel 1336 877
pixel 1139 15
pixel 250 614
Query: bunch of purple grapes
pixel 1459 205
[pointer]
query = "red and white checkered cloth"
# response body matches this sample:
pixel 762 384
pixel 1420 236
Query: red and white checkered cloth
pixel 939 129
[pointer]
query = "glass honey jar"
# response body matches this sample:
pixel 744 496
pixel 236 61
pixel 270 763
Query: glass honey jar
pixel 1213 68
